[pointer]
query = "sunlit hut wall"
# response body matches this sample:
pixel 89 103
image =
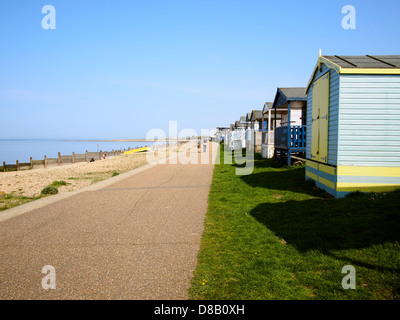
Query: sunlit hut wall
pixel 256 133
pixel 254 125
pixel 245 125
pixel 353 124
pixel 267 139
pixel 228 135
pixel 239 136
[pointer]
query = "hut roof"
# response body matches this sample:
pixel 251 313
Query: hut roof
pixel 377 64
pixel 239 125
pixel 391 61
pixel 267 106
pixel 293 93
pixel 256 115
pixel 283 95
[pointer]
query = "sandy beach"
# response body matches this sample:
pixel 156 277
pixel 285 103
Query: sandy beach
pixel 29 183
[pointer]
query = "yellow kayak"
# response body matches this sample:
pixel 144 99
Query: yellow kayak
pixel 137 150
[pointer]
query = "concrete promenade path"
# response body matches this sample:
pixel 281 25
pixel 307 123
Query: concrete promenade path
pixel 135 237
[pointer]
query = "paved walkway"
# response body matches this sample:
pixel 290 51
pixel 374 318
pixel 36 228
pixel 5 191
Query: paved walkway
pixel 135 239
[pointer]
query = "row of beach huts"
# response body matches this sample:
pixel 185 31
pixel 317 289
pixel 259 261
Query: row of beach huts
pixel 345 125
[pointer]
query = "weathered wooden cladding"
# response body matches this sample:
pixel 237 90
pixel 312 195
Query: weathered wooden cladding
pixel 66 159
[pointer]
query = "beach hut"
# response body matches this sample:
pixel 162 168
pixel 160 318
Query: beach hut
pixel 244 122
pixel 353 124
pixel 239 125
pixel 237 136
pixel 253 132
pixel 256 120
pixel 248 116
pixel 290 123
pixel 267 139
pixel 228 135
pixel 220 134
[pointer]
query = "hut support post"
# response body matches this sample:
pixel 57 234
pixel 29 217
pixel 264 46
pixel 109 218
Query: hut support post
pixel 275 132
pixel 269 126
pixel 289 140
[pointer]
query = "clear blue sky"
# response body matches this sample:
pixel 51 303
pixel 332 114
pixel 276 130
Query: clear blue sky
pixel 115 69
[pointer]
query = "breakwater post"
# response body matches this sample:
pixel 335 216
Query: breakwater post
pixel 61 159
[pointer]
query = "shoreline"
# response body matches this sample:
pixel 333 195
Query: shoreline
pixel 19 187
pixel 101 140
pixel 130 140
pixel 112 140
pixel 29 183
pixel 28 153
pixel 14 152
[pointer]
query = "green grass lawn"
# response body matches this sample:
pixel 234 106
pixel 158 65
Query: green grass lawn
pixel 273 235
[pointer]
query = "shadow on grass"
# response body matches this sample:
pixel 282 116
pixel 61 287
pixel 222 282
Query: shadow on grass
pixel 290 180
pixel 337 224
pixel 276 176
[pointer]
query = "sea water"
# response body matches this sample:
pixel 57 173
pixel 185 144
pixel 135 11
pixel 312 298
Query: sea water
pixel 23 149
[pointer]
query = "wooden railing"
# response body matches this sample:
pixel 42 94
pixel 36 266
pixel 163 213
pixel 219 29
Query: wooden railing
pixel 295 139
pixel 298 135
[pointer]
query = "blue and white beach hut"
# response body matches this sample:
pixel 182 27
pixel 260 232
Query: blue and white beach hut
pixel 353 124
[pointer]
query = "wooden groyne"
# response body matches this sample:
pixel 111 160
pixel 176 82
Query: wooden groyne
pixel 60 160
pixel 74 158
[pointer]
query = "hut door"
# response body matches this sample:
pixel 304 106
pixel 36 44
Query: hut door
pixel 320 113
